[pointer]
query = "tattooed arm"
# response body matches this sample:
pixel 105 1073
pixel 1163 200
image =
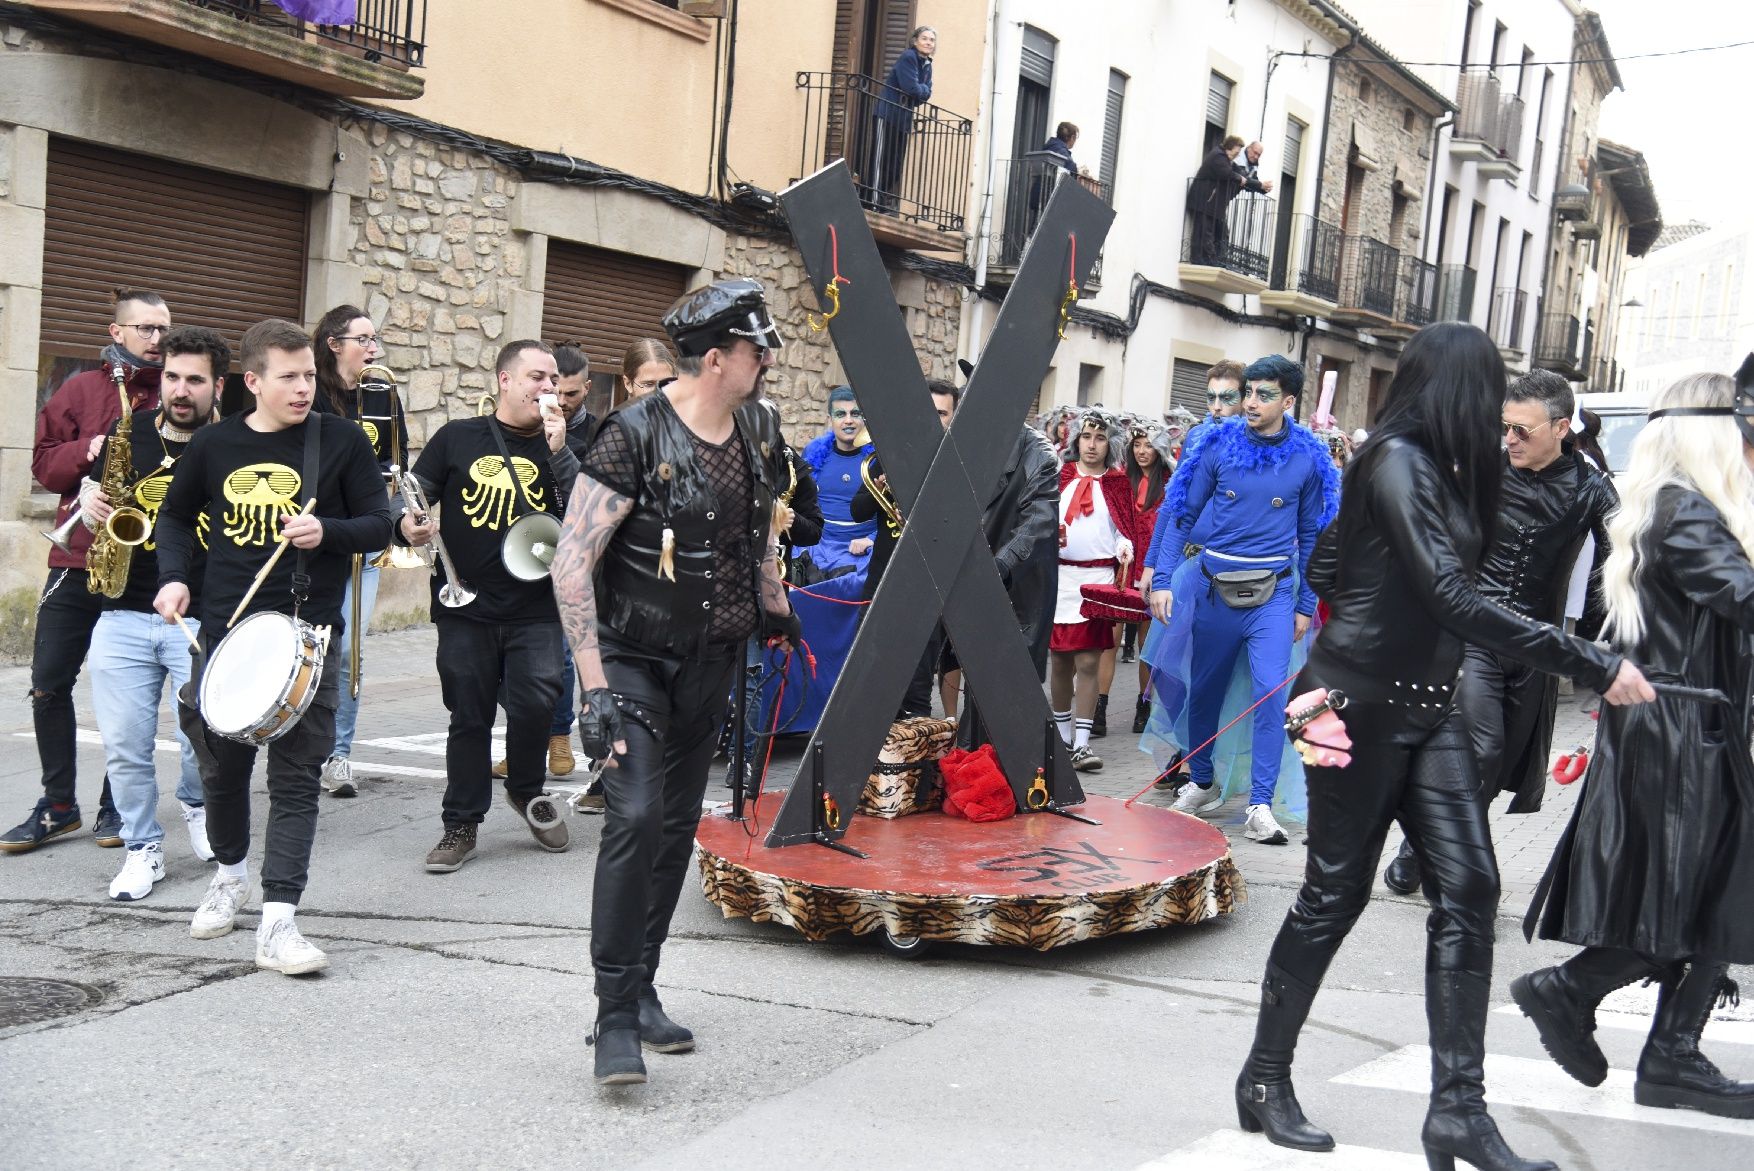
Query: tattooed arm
pixel 594 512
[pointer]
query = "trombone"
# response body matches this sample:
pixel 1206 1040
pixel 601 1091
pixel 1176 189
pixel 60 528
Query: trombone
pixel 453 593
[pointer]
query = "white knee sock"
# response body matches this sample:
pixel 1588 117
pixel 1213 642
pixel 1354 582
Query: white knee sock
pixel 273 913
pixel 238 870
pixel 1063 721
pixel 1081 739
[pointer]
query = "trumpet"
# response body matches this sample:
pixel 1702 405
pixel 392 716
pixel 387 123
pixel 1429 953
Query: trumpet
pixel 453 593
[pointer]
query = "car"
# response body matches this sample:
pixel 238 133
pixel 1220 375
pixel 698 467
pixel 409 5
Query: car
pixel 1623 416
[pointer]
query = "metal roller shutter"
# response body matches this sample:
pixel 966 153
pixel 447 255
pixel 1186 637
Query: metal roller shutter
pixel 1187 387
pixel 224 251
pixel 604 302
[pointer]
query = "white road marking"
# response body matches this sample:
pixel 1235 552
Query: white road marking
pixel 1232 1150
pixel 86 736
pixel 1539 1085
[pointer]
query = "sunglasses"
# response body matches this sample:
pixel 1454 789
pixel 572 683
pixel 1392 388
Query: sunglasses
pixel 1522 433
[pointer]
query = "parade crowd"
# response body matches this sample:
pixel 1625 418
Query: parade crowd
pixel 629 575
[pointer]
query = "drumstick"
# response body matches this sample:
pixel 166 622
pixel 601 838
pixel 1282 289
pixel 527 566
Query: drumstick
pixel 187 633
pixel 262 574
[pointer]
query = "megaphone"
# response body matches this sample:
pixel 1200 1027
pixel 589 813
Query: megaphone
pixel 529 545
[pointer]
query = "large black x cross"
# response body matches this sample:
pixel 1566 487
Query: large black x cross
pixel 942 481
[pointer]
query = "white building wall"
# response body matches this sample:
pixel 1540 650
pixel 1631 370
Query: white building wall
pixel 1168 52
pixel 1694 312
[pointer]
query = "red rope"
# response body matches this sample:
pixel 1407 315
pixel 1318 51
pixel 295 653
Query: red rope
pixel 1072 265
pixel 826 598
pixel 1190 755
pixel 834 257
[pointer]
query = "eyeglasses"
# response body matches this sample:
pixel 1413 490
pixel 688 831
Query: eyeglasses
pixel 366 340
pixel 1228 397
pixel 148 331
pixel 1263 394
pixel 1521 432
pixel 846 414
pixel 646 387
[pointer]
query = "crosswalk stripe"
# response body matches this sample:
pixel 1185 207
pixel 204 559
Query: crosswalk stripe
pixel 1232 1150
pixel 86 736
pixel 1539 1085
pixel 1723 1032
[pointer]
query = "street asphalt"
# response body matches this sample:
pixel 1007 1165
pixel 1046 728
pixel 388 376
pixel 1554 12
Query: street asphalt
pixel 449 1030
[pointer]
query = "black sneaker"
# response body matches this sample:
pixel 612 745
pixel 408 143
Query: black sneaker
pixel 107 829
pixel 42 825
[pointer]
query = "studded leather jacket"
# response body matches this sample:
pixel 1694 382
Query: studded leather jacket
pixel 674 617
pixel 1543 519
pixel 1396 569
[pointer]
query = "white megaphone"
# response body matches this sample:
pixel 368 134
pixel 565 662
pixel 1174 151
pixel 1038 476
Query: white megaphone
pixel 529 545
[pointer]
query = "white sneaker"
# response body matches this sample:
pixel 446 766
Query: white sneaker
pixel 281 948
pixel 195 817
pixel 1260 827
pixel 225 897
pixel 1085 760
pixel 142 866
pixel 337 778
pixel 1195 800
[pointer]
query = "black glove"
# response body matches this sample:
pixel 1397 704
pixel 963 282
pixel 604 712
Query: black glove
pixel 600 724
pixel 784 626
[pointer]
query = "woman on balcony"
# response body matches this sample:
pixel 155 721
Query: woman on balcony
pixel 908 85
pixel 1215 185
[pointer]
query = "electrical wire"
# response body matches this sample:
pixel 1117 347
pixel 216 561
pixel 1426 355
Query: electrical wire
pixel 1615 60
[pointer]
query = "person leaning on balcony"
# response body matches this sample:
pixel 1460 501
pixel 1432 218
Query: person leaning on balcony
pixel 1249 168
pixel 1215 185
pixel 909 83
pixel 1065 137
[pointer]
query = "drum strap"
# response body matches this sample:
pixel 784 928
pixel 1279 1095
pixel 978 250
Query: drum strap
pixel 301 578
pixel 517 484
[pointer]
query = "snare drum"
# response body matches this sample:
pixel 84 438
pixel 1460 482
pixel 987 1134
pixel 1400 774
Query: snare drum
pixel 262 676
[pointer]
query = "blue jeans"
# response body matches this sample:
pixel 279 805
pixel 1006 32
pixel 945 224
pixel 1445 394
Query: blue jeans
pixel 132 653
pixel 347 708
pixel 1220 634
pixel 565 708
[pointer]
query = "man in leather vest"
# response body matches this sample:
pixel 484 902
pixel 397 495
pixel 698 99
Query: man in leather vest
pixel 1551 500
pixel 672 515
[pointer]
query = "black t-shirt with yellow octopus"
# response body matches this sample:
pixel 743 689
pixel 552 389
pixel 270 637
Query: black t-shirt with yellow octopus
pixel 246 480
pixel 155 459
pixel 465 478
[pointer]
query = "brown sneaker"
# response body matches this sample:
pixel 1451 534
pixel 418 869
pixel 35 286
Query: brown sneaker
pixel 560 757
pixel 547 824
pixel 452 850
pixel 499 769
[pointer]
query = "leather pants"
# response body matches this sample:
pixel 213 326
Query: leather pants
pixel 1429 784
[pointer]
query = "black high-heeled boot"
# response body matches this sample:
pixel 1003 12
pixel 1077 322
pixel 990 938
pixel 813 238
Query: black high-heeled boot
pixel 616 1038
pixel 1457 1126
pixel 1265 1100
pixel 1672 1072
pixel 1402 874
pixel 1562 1004
pixel 1141 713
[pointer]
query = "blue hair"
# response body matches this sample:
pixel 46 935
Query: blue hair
pixel 841 394
pixel 1276 368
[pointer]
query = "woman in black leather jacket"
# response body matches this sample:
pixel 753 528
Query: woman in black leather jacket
pixel 1654 875
pixel 1396 569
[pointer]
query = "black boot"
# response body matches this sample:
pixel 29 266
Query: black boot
pixel 1128 631
pixel 1099 722
pixel 1402 875
pixel 616 1038
pixel 1672 1072
pixel 1265 1100
pixel 1562 1004
pixel 1457 1126
pixel 1141 714
pixel 657 1031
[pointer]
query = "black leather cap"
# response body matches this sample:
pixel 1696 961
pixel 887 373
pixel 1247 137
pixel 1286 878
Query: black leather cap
pixel 712 316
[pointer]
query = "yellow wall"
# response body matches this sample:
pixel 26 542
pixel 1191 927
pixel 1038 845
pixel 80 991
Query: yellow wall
pixel 590 78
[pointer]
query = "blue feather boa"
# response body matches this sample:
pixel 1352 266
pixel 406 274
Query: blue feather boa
pixel 817 451
pixel 1228 440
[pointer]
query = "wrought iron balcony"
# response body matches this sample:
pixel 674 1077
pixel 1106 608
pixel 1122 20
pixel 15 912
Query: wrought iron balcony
pixel 1021 188
pixel 1455 292
pixel 1418 304
pixel 368 56
pixel 1368 270
pixel 909 163
pixel 1489 124
pixel 1306 281
pixel 1232 252
pixel 1509 308
pixel 1559 345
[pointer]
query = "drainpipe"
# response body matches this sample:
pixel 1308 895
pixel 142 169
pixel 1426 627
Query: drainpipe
pixel 984 230
pixel 1431 199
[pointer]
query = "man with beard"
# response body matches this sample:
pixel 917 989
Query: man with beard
pixel 133 650
pixel 70 431
pixel 674 510
pixel 1551 501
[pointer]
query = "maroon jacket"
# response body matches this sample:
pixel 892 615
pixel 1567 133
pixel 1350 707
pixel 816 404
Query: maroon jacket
pixel 1121 509
pixel 85 405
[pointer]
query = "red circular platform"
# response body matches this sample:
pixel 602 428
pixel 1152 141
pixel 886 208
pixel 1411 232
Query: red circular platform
pixel 1033 880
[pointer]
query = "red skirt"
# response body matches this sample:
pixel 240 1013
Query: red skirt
pixel 1082 636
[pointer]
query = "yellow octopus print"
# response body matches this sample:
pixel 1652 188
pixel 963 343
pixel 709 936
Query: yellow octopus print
pixel 256 497
pixel 491 501
pixel 149 493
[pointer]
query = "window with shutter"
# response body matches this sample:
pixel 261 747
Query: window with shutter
pixel 1037 62
pixel 895 27
pixel 1218 100
pixel 1187 387
pixel 1111 124
pixel 224 251
pixel 603 302
pixel 1293 146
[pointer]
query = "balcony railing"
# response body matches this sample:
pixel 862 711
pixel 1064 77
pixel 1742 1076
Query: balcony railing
pixel 1489 121
pixel 1240 241
pixel 1559 344
pixel 1455 292
pixel 388 31
pixel 1367 277
pixel 1021 188
pixel 1316 248
pixel 1418 306
pixel 908 162
pixel 1509 307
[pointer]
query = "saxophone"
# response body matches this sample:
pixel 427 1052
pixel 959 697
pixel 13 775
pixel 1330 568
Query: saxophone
pixel 112 550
